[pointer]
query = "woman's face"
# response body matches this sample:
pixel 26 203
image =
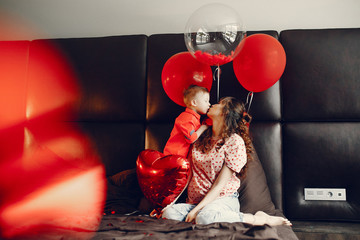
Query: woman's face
pixel 215 110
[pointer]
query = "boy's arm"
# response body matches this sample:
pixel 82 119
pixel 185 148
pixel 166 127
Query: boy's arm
pixel 188 128
pixel 193 135
pixel 200 131
pixel 205 125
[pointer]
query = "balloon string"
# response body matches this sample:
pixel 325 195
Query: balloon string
pixel 249 99
pixel 216 78
pixel 215 74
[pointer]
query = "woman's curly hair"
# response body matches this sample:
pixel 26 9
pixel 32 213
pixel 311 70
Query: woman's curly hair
pixel 237 120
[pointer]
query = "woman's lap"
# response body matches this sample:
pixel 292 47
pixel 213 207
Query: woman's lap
pixel 177 211
pixel 225 209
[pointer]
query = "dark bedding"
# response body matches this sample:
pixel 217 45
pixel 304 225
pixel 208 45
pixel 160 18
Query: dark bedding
pixel 141 227
pixel 126 216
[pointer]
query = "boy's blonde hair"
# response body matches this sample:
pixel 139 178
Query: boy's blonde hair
pixel 190 93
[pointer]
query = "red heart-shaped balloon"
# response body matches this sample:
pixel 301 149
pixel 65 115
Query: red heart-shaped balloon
pixel 162 178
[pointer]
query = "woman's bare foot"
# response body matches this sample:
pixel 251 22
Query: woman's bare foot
pixel 260 218
pixel 272 220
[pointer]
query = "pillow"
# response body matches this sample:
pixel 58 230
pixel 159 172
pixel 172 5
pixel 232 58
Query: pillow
pixel 254 193
pixel 124 194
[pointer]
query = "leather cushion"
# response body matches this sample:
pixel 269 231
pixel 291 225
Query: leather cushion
pixel 112 76
pixel 321 77
pixel 321 155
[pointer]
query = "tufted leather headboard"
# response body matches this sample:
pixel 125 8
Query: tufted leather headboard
pixel 306 127
pixel 321 128
pixel 112 74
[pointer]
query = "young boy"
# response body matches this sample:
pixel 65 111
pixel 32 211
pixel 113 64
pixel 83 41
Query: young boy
pixel 187 127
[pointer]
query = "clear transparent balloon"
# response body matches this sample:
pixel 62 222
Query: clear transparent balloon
pixel 213 34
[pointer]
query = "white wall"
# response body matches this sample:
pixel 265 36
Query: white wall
pixel 31 19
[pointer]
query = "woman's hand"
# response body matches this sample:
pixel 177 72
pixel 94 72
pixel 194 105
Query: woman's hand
pixel 191 215
pixel 224 176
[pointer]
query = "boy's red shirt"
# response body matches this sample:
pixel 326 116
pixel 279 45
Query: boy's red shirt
pixel 183 134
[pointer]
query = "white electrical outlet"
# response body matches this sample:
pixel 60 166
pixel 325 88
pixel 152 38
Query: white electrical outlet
pixel 325 194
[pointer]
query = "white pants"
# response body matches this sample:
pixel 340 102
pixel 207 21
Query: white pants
pixel 225 209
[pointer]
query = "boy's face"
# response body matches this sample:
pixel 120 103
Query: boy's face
pixel 202 100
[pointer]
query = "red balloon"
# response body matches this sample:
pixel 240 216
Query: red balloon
pixel 162 178
pixel 182 70
pixel 260 63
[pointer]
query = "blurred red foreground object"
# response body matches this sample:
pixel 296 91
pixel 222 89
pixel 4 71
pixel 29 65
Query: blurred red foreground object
pixel 51 180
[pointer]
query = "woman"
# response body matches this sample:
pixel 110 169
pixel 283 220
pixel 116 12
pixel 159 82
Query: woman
pixel 219 159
